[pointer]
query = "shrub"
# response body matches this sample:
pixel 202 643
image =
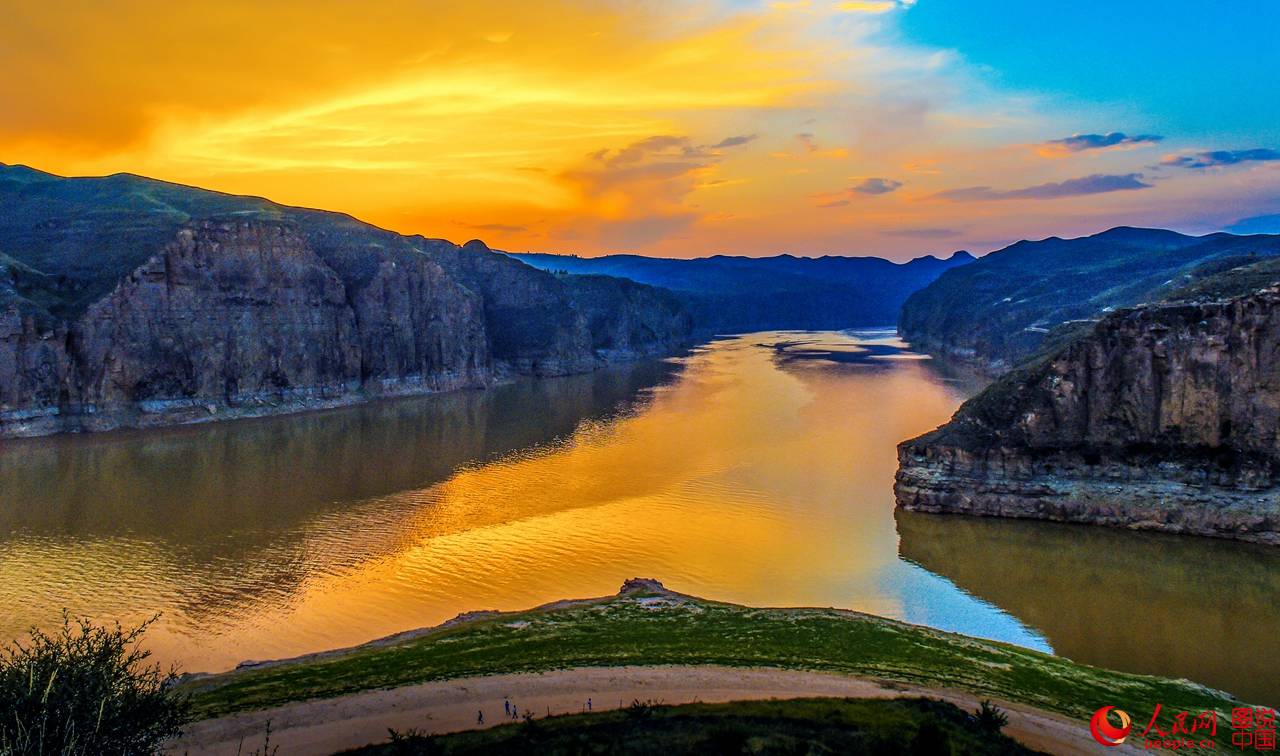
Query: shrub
pixel 85 689
pixel 640 710
pixel 991 718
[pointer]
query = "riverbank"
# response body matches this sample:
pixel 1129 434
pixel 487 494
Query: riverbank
pixel 647 626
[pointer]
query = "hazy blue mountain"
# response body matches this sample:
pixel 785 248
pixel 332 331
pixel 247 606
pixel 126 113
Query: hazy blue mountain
pixel 1011 303
pixel 735 294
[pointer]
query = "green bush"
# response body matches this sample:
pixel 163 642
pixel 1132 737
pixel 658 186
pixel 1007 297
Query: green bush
pixel 990 718
pixel 85 689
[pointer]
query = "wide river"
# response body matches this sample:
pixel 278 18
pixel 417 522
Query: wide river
pixel 756 469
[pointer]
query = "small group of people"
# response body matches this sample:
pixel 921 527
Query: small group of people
pixel 514 713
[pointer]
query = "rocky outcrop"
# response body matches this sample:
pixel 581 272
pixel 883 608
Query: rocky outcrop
pixel 545 324
pixel 235 318
pixel 1164 417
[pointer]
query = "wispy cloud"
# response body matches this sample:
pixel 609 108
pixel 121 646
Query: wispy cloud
pixel 668 128
pixel 636 194
pixel 870 187
pixel 811 149
pixel 872 6
pixel 876 186
pixel 1215 158
pixel 1085 142
pixel 1095 184
pixel 735 141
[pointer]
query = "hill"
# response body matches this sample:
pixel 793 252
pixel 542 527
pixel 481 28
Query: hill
pixel 127 301
pixel 1010 303
pixel 647 631
pixel 728 294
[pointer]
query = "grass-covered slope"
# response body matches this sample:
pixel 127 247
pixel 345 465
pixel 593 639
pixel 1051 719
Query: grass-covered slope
pixel 900 726
pixel 75 237
pixel 1008 305
pixel 646 625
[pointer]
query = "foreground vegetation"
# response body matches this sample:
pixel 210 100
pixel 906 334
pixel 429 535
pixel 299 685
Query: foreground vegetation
pixel 900 726
pixel 646 625
pixel 85 690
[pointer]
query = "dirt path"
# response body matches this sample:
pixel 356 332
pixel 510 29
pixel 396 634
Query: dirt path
pixel 329 725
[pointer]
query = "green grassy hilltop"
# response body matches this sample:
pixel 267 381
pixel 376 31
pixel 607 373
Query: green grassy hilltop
pixel 646 624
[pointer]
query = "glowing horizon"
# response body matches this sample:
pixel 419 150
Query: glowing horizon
pixel 677 129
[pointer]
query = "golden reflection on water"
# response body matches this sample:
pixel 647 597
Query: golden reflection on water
pixel 751 471
pixel 1196 608
pixel 757 469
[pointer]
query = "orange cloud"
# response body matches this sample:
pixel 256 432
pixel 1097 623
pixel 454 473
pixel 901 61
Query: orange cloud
pixel 565 125
pixel 637 194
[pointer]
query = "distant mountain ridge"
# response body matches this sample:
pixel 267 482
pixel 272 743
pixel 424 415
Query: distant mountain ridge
pixel 130 302
pixel 1033 295
pixel 735 294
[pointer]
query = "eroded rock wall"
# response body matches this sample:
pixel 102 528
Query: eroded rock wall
pixel 235 319
pixel 1165 417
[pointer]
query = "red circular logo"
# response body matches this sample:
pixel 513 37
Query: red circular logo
pixel 1106 733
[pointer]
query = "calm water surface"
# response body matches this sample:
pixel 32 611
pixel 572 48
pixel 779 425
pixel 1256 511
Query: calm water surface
pixel 758 469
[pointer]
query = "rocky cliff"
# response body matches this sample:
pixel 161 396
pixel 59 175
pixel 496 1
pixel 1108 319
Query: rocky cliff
pixel 1164 417
pixel 120 306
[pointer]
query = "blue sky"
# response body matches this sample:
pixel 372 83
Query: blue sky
pixel 1203 70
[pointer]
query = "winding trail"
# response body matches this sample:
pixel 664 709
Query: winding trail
pixel 325 726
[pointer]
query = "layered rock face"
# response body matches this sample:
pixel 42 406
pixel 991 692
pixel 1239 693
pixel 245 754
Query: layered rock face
pixel 1165 417
pixel 544 324
pixel 236 318
pixel 130 302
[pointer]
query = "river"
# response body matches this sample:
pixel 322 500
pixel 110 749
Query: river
pixel 755 469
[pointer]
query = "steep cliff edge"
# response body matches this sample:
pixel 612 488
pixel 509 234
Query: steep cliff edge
pixel 545 324
pixel 1164 417
pixel 128 302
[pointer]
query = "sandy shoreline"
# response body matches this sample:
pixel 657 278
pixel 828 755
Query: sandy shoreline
pixel 324 726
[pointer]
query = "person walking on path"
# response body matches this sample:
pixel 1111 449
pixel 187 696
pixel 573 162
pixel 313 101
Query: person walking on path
pixel 480 717
pixel 588 703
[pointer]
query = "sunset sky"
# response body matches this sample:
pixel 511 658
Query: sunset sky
pixel 680 128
